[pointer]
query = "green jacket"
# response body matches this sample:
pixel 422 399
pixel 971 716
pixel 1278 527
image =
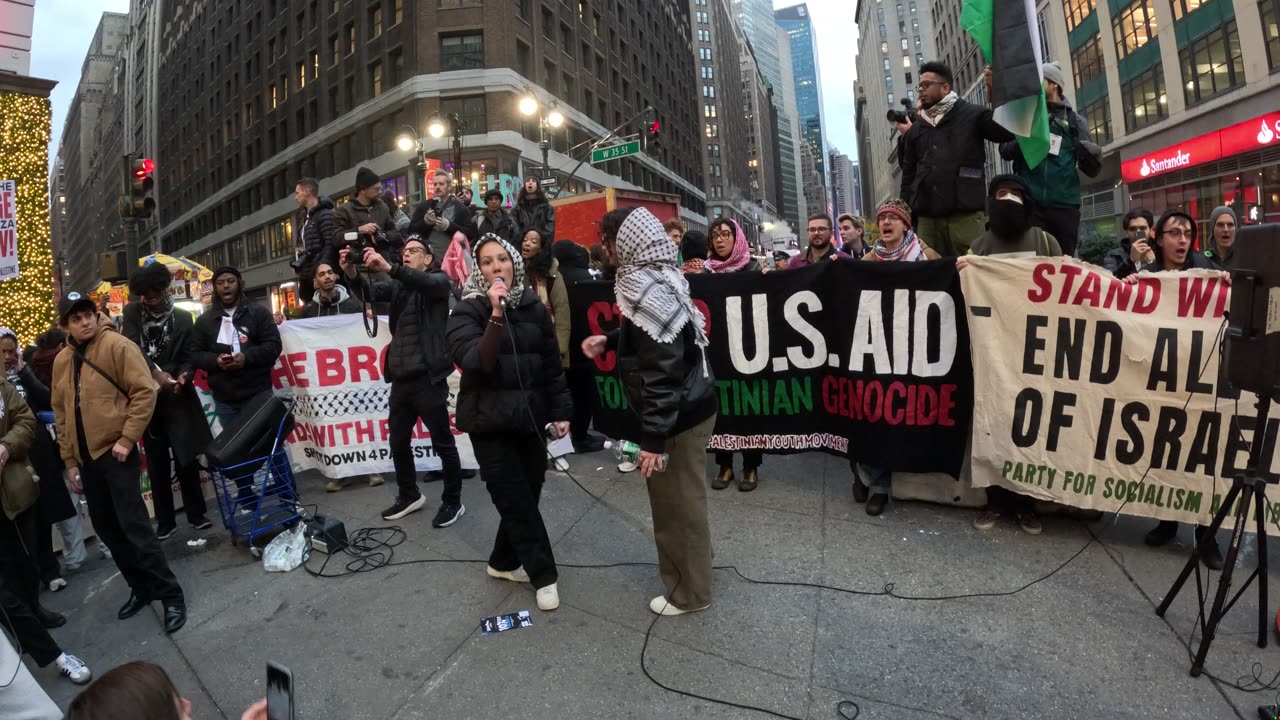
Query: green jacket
pixel 18 489
pixel 1054 182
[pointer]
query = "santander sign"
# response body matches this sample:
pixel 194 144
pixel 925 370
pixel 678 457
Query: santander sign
pixel 1249 135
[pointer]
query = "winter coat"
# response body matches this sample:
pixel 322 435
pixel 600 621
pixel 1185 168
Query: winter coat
pixel 179 413
pixel 557 302
pixel 18 489
pixel 351 216
pixel 503 225
pixel 341 304
pixel 259 341
pixel 109 416
pixel 419 315
pixel 806 258
pixel 1055 182
pixel 942 167
pixel 658 380
pixel 318 228
pixel 55 499
pixel 1117 256
pixel 535 214
pixel 459 216
pixel 575 268
pixel 1195 261
pixel 520 389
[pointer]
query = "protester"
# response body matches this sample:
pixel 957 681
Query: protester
pixel 1134 243
pixel 730 253
pixel 330 299
pixel 693 250
pixel 445 215
pixel 897 242
pixel 1054 183
pixel 504 342
pixel 1222 223
pixel 103 397
pixel 533 210
pixel 1012 208
pixel 575 270
pixel 366 213
pixel 467 197
pixel 316 231
pixel 675 229
pixel 21 697
pixel 417 366
pixel 398 216
pixel 661 355
pixel 599 261
pixel 164 335
pixel 942 157
pixel 821 246
pixel 495 219
pixel 140 691
pixel 781 260
pixel 851 232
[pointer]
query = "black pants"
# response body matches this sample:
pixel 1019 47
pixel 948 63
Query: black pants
pixel 513 466
pixel 120 519
pixel 1008 501
pixel 19 570
pixel 20 619
pixel 421 398
pixel 1063 223
pixel 159 466
pixel 582 389
pixel 750 459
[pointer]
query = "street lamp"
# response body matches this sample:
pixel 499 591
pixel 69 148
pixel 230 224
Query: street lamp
pixel 441 124
pixel 553 118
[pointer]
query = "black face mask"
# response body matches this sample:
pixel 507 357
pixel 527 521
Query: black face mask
pixel 1009 220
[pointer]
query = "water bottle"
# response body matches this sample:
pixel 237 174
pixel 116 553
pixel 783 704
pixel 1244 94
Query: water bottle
pixel 627 451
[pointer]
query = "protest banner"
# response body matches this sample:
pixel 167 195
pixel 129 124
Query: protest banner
pixel 333 371
pixel 871 359
pixel 8 229
pixel 1099 394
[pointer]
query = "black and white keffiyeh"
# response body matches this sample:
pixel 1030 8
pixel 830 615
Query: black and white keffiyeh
pixel 157 328
pixel 477 287
pixel 651 290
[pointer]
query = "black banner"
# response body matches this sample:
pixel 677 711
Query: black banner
pixel 858 358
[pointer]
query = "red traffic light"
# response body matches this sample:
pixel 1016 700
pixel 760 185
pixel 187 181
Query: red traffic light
pixel 143 167
pixel 655 127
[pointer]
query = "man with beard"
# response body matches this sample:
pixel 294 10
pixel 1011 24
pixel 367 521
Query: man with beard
pixel 314 232
pixel 1222 222
pixel 820 245
pixel 1011 233
pixel 445 215
pixel 1134 244
pixel 330 298
pixel 367 214
pixel 942 156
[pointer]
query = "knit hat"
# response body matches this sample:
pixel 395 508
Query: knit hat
pixel 896 207
pixel 226 270
pixel 493 193
pixel 366 178
pixel 1219 212
pixel 1052 72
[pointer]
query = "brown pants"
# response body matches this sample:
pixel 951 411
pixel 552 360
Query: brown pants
pixel 678 498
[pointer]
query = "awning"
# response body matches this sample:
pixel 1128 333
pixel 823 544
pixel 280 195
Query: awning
pixel 180 267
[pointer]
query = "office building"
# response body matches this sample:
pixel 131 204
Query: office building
pixel 794 171
pixel 762 136
pixel 796 22
pixel 845 196
pixel 726 152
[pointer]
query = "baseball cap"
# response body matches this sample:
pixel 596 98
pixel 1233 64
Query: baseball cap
pixel 73 302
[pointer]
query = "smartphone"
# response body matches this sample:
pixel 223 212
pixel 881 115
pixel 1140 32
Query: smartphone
pixel 279 692
pixel 1140 236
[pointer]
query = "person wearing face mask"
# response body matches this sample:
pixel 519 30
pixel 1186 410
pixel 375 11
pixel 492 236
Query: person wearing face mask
pixel 542 276
pixel 533 210
pixel 163 333
pixel 730 254
pixel 1222 223
pixel 1135 243
pixel 513 386
pixel 1011 209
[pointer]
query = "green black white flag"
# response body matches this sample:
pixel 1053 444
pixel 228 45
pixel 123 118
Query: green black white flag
pixel 1009 37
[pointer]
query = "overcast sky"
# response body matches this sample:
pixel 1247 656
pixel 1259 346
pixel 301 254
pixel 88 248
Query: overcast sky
pixel 63 29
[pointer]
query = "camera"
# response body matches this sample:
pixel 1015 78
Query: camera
pixel 902 116
pixel 356 243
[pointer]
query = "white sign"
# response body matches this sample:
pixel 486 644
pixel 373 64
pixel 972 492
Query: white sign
pixel 8 229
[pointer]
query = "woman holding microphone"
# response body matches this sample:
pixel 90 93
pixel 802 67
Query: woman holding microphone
pixel 503 340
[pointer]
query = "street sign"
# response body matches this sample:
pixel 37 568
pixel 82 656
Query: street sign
pixel 615 151
pixel 548 182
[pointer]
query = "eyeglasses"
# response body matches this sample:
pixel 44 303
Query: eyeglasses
pixel 1178 233
pixel 819 230
pixel 924 84
pixel 722 234
pixel 415 251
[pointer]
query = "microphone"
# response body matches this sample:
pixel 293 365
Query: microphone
pixel 502 302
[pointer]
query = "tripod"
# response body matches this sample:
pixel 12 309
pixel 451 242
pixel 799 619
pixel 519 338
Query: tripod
pixel 1246 487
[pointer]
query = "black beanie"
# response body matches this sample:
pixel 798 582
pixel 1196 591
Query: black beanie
pixel 366 178
pixel 226 270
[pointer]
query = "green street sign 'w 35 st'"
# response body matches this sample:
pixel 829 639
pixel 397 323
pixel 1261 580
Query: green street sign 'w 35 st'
pixel 615 151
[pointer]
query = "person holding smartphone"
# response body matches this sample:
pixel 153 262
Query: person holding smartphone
pixel 1135 244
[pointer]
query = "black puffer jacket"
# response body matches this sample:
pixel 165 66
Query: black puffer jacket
pixel 942 167
pixel 534 212
pixel 1194 261
pixel 657 379
pixel 318 227
pixel 525 377
pixel 419 314
pixel 260 343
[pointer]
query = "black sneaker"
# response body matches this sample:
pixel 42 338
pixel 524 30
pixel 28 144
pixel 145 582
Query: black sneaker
pixel 1162 533
pixel 448 515
pixel 201 523
pixel 166 532
pixel 589 444
pixel 403 507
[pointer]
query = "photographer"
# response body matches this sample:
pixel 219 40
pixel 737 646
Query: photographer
pixel 444 214
pixel 1135 243
pixel 417 366
pixel 367 215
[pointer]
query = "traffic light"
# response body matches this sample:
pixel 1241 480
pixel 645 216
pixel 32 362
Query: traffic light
pixel 136 202
pixel 654 129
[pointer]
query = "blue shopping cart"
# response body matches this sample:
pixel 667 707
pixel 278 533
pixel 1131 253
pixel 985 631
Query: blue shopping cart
pixel 258 496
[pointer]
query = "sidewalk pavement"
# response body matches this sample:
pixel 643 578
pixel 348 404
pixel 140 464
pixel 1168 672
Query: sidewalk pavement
pixel 404 641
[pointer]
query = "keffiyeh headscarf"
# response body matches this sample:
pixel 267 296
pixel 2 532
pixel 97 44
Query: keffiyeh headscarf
pixel 934 115
pixel 651 290
pixel 157 328
pixel 477 287
pixel 739 255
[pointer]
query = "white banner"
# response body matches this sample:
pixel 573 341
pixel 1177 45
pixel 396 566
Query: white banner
pixel 8 229
pixel 333 370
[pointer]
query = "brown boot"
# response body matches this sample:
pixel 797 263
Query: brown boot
pixel 723 479
pixel 749 480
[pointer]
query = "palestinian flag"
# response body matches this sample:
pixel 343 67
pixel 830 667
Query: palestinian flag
pixel 1009 37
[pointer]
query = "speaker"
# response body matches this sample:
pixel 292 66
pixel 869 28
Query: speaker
pixel 114 267
pixel 1253 340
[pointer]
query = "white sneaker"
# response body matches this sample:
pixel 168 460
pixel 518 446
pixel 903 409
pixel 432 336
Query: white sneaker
pixel 57 584
pixel 518 575
pixel 74 668
pixel 627 466
pixel 376 479
pixel 548 597
pixel 562 464
pixel 662 606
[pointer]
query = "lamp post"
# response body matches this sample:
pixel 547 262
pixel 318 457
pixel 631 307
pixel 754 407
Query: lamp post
pixel 547 118
pixel 408 141
pixel 437 126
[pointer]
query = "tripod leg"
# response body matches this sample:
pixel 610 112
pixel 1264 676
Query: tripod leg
pixel 1224 581
pixel 1260 490
pixel 1187 569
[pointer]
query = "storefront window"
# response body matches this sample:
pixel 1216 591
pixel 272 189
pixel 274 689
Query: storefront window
pixel 470 110
pixel 281 238
pixel 397 186
pixel 1087 61
pixel 1076 11
pixel 235 252
pixel 1134 26
pixel 1144 99
pixel 1271 30
pixel 1212 65
pixel 1098 115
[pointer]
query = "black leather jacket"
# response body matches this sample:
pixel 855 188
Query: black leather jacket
pixel 656 377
